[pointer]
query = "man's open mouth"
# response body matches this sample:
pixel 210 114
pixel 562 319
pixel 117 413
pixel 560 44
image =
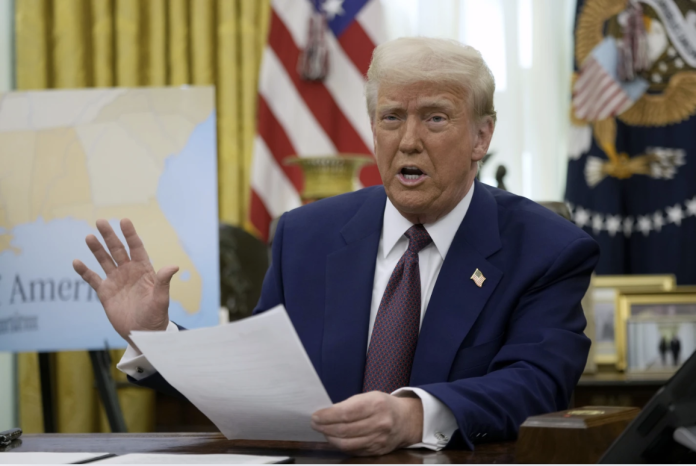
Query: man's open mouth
pixel 411 175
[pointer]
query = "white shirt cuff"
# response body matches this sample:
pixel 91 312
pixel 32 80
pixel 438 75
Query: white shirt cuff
pixel 439 424
pixel 135 364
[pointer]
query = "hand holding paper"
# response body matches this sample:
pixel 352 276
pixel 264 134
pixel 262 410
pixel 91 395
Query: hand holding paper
pixel 252 378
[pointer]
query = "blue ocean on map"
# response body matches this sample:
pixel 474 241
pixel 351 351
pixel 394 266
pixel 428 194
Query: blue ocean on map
pixel 187 194
pixel 74 319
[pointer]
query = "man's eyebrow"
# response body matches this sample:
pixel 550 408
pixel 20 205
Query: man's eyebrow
pixel 389 107
pixel 436 103
pixel 423 104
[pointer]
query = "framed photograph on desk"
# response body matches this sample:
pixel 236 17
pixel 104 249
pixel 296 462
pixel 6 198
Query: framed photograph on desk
pixel 605 291
pixel 655 333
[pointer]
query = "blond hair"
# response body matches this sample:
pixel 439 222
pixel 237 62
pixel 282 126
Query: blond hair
pixel 414 59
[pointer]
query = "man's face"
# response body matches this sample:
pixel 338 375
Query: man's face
pixel 426 146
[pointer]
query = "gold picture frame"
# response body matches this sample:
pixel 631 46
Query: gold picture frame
pixel 665 282
pixel 601 313
pixel 628 301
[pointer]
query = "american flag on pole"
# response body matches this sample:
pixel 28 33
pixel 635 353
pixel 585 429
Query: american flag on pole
pixel 299 117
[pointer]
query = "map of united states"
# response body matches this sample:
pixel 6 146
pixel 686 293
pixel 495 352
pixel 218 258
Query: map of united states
pixel 77 156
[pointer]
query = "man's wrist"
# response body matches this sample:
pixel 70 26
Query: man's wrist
pixel 412 408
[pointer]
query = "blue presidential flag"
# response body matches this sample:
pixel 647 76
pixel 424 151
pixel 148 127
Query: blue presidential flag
pixel 632 174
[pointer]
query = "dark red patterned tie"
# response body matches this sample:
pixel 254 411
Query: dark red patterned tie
pixel 395 333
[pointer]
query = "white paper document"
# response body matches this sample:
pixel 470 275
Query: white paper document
pixel 28 457
pixel 252 377
pixel 157 458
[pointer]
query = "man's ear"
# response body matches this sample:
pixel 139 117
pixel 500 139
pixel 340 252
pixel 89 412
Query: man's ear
pixel 482 139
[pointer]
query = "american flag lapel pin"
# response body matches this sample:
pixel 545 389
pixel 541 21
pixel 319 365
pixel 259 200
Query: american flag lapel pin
pixel 478 278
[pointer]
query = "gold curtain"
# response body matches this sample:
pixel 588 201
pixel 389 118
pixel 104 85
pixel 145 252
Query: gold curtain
pixel 128 43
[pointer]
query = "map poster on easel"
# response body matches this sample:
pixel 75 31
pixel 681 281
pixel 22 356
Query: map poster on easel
pixel 70 157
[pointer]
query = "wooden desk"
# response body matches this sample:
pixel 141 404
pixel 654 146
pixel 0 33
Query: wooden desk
pixel 616 389
pixel 215 443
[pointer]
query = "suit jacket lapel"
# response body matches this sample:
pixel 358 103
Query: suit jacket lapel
pixel 457 301
pixel 349 280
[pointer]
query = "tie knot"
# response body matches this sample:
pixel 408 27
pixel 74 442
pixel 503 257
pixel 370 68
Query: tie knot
pixel 418 238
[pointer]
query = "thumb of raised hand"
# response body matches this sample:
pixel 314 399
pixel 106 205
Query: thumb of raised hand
pixel 164 278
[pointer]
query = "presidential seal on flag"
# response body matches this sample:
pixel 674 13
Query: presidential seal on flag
pixel 630 174
pixel 641 71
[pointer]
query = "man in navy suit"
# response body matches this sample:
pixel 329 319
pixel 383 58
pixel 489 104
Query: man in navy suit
pixel 436 310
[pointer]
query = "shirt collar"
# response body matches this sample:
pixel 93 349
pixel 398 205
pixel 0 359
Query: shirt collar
pixel 442 231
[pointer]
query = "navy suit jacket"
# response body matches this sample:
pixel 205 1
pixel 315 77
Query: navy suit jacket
pixel 494 354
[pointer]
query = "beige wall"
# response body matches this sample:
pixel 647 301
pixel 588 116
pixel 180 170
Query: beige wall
pixel 8 396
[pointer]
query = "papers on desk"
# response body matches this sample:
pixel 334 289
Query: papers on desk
pixel 157 458
pixel 134 458
pixel 252 377
pixel 48 458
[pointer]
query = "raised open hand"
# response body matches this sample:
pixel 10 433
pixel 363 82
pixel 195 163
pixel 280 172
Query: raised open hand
pixel 133 295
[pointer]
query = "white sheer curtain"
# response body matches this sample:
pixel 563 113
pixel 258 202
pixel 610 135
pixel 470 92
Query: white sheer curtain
pixel 8 415
pixel 528 46
pixel 6 45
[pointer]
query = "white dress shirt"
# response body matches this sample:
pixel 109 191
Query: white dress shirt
pixel 438 421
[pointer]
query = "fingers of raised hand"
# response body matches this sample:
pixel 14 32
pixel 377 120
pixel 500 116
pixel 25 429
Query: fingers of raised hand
pixel 135 244
pixel 100 254
pixel 87 275
pixel 116 248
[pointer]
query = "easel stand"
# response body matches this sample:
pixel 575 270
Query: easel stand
pixel 47 393
pixel 101 367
